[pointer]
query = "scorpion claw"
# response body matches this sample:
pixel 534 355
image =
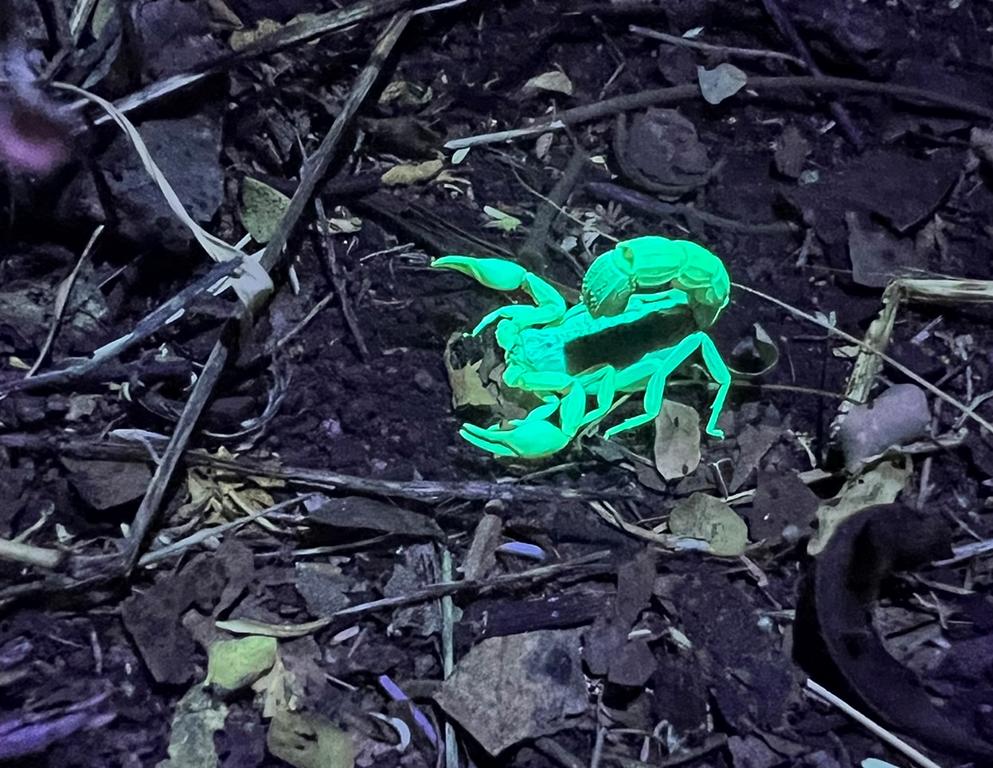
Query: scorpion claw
pixel 525 438
pixel 499 274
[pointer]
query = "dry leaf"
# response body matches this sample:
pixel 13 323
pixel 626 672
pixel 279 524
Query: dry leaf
pixel 282 631
pixel 554 81
pixel 712 520
pixel 411 173
pixel 309 741
pixel 721 82
pixel 262 208
pixel 677 440
pixel 879 485
pixel 500 220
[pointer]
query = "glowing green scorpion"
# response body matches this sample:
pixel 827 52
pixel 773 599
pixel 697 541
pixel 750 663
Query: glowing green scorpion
pixel 618 339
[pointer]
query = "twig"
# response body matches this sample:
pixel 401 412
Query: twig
pixel 418 490
pixel 917 379
pixel 877 730
pixel 729 50
pixel 317 164
pixel 147 326
pixel 678 93
pixel 532 252
pixel 434 592
pixel 198 537
pixel 643 203
pixel 148 511
pixel 40 557
pixel 292 34
pixel 307 320
pixel 338 278
pixel 789 31
pixel 448 654
pixel 81 11
pixel 62 296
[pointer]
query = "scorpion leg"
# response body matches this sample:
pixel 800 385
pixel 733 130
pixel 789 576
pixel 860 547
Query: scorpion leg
pixel 504 275
pixel 719 370
pixel 657 369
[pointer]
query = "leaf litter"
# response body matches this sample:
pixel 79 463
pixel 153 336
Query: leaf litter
pixel 669 585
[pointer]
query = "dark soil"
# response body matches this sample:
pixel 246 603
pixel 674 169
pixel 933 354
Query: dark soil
pixel 635 650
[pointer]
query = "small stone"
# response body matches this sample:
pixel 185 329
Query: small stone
pixel 899 415
pixel 424 381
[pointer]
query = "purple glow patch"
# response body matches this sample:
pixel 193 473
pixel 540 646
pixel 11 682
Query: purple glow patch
pixel 396 693
pixel 32 139
pixel 521 549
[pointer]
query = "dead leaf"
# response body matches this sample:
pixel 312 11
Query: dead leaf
pixel 791 152
pixel 191 737
pixel 712 520
pixel 363 513
pixel 677 440
pixel 252 627
pixel 403 93
pixel 500 220
pixel 755 355
pixel 879 485
pixel 309 741
pixel 721 82
pixel 664 146
pixel 468 387
pixel 242 38
pixel 262 208
pixel 879 256
pixel 235 664
pixel 981 140
pixel 753 444
pixel 412 173
pixel 107 484
pixel 554 81
pixel 543 145
pixel 508 689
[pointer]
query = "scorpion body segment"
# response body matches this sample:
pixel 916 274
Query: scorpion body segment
pixel 649 263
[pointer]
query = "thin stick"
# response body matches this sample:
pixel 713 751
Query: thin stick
pixel 148 511
pixel 687 91
pixel 420 490
pixel 292 34
pixel 317 165
pixel 432 592
pixel 639 201
pixel 338 278
pixel 877 730
pixel 534 248
pixel 789 31
pixel 198 537
pixel 62 296
pixel 40 557
pixel 448 654
pixel 964 409
pixel 147 326
pixel 308 318
pixel 745 53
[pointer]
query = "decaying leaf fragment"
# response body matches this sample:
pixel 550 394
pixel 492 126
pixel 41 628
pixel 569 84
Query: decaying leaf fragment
pixel 712 520
pixel 507 689
pixel 677 440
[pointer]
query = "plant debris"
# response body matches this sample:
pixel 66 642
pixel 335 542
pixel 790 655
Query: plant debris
pixel 240 529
